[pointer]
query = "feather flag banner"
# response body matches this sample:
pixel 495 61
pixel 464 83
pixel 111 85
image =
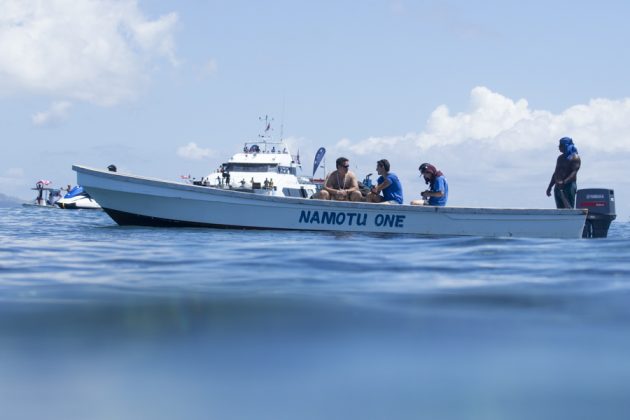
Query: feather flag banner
pixel 318 159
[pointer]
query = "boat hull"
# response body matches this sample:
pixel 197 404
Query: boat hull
pixel 132 200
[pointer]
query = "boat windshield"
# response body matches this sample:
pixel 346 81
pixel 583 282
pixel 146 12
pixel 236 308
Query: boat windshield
pixel 251 167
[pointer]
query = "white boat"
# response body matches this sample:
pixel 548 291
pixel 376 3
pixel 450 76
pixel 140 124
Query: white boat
pixel 135 200
pixel 77 199
pixel 263 167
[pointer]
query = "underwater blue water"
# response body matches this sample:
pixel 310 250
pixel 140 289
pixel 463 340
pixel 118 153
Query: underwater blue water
pixel 99 321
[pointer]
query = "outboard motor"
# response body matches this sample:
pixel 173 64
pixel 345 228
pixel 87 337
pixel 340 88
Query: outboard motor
pixel 600 203
pixel 365 185
pixel 367 182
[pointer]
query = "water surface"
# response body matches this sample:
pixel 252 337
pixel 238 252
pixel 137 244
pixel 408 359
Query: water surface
pixel 100 321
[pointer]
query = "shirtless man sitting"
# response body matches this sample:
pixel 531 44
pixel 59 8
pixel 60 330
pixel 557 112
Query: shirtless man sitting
pixel 341 184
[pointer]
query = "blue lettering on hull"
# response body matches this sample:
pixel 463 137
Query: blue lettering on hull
pixel 333 218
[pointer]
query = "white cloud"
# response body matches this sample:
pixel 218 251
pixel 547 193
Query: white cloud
pixel 57 112
pixel 193 152
pixel 155 36
pixel 501 152
pixel 495 120
pixel 89 50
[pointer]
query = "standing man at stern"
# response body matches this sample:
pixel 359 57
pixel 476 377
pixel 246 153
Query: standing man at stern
pixel 564 178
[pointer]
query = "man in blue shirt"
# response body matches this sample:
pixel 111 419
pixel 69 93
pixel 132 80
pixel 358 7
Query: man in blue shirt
pixel 437 194
pixel 387 183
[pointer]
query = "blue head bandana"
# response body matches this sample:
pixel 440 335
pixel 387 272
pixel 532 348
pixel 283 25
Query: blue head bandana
pixel 569 148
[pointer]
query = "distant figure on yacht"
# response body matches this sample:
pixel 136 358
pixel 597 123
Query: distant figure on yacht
pixel 437 194
pixel 388 184
pixel 341 184
pixel 564 178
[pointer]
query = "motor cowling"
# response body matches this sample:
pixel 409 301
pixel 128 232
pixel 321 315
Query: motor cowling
pixel 600 203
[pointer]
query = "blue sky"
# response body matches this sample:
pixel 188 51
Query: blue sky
pixel 481 89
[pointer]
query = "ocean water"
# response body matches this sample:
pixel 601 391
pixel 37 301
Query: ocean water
pixel 99 321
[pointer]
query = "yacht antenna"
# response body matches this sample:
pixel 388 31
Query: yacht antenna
pixel 282 120
pixel 267 128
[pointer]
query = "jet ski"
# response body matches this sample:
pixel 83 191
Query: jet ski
pixel 77 198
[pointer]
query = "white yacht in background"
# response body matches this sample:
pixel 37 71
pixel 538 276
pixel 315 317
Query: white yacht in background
pixel 263 167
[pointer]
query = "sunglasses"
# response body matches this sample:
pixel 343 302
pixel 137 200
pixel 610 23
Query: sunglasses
pixel 345 166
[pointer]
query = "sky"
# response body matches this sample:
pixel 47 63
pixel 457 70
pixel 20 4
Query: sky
pixel 483 90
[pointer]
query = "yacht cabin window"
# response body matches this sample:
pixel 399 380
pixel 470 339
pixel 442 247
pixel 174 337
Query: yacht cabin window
pixel 251 167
